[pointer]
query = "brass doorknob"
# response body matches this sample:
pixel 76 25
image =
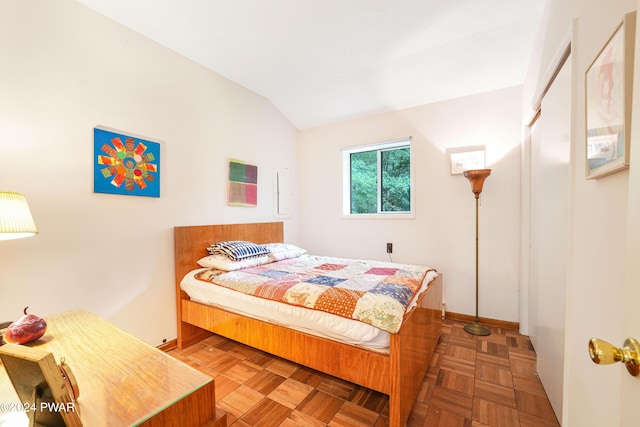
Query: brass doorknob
pixel 601 352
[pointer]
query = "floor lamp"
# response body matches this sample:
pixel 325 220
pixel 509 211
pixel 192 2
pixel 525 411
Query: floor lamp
pixel 477 177
pixel 15 222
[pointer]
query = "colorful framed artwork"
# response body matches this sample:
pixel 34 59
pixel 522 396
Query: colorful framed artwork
pixel 125 164
pixel 243 183
pixel 608 88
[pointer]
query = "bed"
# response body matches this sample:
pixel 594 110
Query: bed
pixel 397 371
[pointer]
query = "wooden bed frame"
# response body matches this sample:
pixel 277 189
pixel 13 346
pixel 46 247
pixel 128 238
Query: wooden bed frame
pixel 398 374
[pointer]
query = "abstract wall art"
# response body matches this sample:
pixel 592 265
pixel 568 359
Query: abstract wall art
pixel 243 183
pixel 125 165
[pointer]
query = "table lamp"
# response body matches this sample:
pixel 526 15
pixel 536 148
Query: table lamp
pixel 477 177
pixel 15 221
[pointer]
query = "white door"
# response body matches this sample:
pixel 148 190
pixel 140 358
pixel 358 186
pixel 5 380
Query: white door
pixel 604 288
pixel 628 393
pixel 550 196
pixel 630 387
pixel 607 394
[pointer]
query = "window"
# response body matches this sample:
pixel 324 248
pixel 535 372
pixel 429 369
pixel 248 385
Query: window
pixel 378 179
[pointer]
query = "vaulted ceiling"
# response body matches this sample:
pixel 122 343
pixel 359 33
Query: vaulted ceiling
pixel 325 61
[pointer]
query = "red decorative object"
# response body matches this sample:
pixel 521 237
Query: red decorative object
pixel 26 329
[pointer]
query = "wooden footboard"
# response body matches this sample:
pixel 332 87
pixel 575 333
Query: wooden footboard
pixel 399 373
pixel 411 351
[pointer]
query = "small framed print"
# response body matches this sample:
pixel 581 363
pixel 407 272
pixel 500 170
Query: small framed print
pixel 243 183
pixel 463 159
pixel 608 88
pixel 47 391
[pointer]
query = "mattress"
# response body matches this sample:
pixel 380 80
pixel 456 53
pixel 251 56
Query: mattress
pixel 319 323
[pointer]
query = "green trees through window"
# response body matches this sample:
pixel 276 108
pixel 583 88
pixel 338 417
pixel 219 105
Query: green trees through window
pixel 364 182
pixel 380 179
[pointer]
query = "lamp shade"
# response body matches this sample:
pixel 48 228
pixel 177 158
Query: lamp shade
pixel 477 177
pixel 15 217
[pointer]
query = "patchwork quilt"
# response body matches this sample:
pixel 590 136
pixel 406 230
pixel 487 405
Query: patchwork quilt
pixel 377 293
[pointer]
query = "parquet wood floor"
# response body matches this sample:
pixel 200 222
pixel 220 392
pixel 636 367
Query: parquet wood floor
pixel 471 382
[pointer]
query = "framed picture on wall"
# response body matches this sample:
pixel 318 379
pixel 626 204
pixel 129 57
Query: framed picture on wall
pixel 608 89
pixel 125 164
pixel 243 183
pixel 466 158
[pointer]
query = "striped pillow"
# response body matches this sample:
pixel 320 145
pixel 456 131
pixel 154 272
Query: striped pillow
pixel 237 249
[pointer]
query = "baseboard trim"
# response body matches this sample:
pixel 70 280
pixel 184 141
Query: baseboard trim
pixel 489 322
pixel 168 346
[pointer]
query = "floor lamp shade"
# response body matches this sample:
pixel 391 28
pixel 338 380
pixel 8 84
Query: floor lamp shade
pixel 477 177
pixel 15 216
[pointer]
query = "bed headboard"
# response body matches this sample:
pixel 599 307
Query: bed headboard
pixel 191 242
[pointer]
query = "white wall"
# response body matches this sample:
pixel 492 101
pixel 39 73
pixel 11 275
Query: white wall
pixel 443 233
pixel 66 69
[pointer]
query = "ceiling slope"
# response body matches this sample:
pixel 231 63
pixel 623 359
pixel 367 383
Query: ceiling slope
pixel 325 61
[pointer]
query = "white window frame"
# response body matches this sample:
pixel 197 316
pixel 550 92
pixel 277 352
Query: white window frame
pixel 346 179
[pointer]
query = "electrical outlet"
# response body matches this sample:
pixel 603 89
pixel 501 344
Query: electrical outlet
pixel 389 248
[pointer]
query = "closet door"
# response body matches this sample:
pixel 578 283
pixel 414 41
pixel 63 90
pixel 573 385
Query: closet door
pixel 549 216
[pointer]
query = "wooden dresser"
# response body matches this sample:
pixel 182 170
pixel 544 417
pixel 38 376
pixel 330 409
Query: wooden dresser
pixel 122 380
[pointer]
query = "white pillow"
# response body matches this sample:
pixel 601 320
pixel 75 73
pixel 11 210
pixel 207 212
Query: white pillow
pixel 221 262
pixel 280 251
